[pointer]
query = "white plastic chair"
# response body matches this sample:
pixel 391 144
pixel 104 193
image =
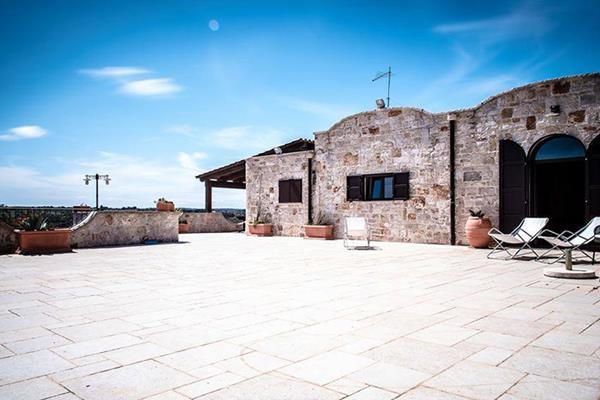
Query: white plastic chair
pixel 568 240
pixel 356 228
pixel 522 236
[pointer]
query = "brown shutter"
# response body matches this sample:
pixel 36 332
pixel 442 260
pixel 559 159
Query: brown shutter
pixel 513 185
pixel 354 190
pixel 296 191
pixel 284 191
pixel 401 188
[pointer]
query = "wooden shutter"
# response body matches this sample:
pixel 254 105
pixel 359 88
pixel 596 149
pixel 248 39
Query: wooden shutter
pixel 594 178
pixel 354 188
pixel 284 191
pixel 513 185
pixel 296 191
pixel 401 187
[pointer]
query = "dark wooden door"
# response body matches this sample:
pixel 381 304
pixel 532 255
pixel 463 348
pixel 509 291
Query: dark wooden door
pixel 513 185
pixel 594 178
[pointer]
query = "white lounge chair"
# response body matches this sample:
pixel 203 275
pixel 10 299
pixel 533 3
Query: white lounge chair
pixel 356 228
pixel 568 240
pixel 522 237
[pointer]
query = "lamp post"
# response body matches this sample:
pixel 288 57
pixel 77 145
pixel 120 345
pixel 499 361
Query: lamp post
pixel 96 177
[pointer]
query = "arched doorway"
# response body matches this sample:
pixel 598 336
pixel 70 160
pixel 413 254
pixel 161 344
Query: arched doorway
pixel 558 182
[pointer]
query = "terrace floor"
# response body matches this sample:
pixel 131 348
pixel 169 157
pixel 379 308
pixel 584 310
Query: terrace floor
pixel 226 316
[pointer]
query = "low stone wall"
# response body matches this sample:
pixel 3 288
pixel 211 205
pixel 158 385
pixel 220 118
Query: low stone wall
pixel 8 238
pixel 209 222
pixel 117 228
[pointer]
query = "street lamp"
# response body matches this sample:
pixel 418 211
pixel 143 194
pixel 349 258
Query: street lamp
pixel 96 177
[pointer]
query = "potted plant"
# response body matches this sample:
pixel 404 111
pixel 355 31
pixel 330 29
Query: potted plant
pixel 319 229
pixel 260 227
pixel 36 238
pixel 163 204
pixel 477 228
pixel 184 227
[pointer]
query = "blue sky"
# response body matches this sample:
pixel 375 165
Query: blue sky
pixel 154 92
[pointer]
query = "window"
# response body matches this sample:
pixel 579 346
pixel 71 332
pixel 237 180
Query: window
pixel 290 191
pixel 378 187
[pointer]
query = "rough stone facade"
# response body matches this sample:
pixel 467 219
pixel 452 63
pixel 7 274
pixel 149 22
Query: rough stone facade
pixel 406 139
pixel 209 222
pixel 262 191
pixel 117 228
pixel 8 238
pixel 387 141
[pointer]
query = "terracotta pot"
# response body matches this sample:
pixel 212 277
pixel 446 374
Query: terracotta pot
pixel 477 232
pixel 165 206
pixel 184 228
pixel 41 242
pixel 261 229
pixel 319 231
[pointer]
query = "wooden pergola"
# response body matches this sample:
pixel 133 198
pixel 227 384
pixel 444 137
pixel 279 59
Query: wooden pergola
pixel 233 176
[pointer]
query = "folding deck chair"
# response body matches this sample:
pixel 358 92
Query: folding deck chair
pixel 522 236
pixel 568 240
pixel 356 228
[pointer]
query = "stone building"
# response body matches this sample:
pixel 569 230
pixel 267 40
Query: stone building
pixel 531 151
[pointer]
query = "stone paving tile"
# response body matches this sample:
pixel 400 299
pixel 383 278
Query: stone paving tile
pixel 95 346
pixel 554 364
pixel 443 334
pixel 475 380
pixel 424 393
pixel 251 364
pixel 201 356
pixel 537 387
pixel 390 377
pixel 135 353
pixel 345 386
pixel 409 308
pixel 84 370
pixel 273 387
pixel 327 367
pixel 32 389
pixel 95 330
pixel 30 365
pixel 209 385
pixel 131 382
pixel 421 356
pixel 40 343
pixel 372 393
pixel 570 342
pixel 170 395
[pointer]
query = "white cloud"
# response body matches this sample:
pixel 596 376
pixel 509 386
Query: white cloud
pixel 150 87
pixel 190 160
pixel 521 22
pixel 182 129
pixel 246 137
pixel 24 132
pixel 135 182
pixel 114 72
pixel 328 111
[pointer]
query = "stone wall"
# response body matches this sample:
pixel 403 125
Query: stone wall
pixel 116 228
pixel 8 238
pixel 209 222
pixel 262 191
pixel 407 139
pixel 387 141
pixel 522 115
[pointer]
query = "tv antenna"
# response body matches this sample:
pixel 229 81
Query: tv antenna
pixel 387 74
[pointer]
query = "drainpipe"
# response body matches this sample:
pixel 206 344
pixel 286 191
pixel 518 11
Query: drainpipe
pixel 310 186
pixel 452 122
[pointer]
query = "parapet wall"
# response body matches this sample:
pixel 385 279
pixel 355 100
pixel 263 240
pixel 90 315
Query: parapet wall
pixel 209 222
pixel 8 238
pixel 117 228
